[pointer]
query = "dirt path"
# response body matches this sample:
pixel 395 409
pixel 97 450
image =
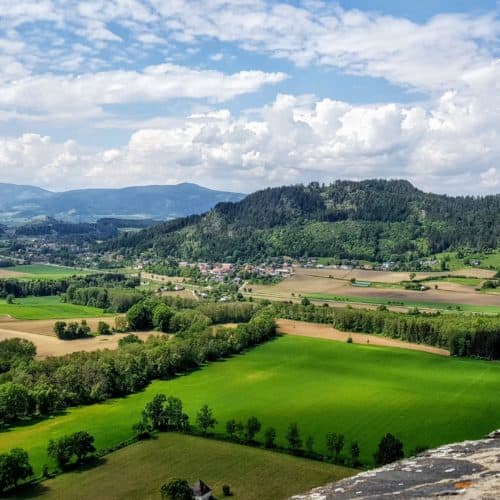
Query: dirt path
pixel 318 330
pixel 51 346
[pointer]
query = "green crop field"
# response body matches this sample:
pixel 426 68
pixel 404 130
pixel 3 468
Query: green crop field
pixel 138 471
pixel 324 386
pixel 46 271
pixel 404 303
pixel 46 308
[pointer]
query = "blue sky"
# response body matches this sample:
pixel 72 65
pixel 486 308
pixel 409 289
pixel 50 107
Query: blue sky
pixel 244 94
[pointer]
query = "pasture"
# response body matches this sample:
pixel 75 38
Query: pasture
pixel 42 271
pixel 50 307
pixel 143 467
pixel 362 391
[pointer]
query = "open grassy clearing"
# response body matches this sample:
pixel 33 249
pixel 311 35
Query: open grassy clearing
pixel 138 471
pixel 46 308
pixel 487 260
pixel 405 303
pixel 362 391
pixel 40 271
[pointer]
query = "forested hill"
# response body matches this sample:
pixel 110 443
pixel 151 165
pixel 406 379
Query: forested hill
pixel 372 219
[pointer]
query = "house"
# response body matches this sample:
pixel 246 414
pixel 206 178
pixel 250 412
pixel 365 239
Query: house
pixel 201 491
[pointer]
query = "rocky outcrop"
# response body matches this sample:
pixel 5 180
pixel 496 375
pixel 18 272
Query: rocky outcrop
pixel 470 469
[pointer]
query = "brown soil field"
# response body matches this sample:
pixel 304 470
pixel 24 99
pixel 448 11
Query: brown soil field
pixel 46 326
pixel 47 345
pixel 5 273
pixel 317 330
pixel 306 281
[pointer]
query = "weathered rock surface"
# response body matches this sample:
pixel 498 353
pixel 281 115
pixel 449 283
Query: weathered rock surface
pixel 470 469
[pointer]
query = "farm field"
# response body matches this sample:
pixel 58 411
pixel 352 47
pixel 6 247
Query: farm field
pixel 143 467
pixel 362 391
pixel 323 331
pixel 335 284
pixel 40 271
pixel 377 300
pixel 51 307
pixel 49 345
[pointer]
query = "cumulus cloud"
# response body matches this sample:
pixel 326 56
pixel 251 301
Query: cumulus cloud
pixel 453 145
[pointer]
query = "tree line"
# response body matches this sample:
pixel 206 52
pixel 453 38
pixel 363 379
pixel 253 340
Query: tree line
pixel 42 387
pixel 463 334
pixel 45 287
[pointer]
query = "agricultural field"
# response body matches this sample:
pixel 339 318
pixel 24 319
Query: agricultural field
pixel 42 271
pixel 386 288
pixel 143 467
pixel 362 391
pixel 50 307
pixel 395 301
pixel 48 345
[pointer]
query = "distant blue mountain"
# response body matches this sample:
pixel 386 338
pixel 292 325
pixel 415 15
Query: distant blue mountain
pixel 21 203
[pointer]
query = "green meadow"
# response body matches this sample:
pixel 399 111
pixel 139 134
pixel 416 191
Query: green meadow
pixel 138 471
pixel 443 306
pixel 49 307
pixel 46 271
pixel 324 386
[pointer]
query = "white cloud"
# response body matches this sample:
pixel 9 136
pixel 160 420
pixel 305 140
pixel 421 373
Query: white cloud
pixel 453 145
pixel 85 94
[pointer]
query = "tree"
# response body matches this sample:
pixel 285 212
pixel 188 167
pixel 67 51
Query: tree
pixel 103 328
pixel 334 444
pixel 305 301
pixel 253 426
pixel 60 450
pixel 176 489
pixel 83 445
pixel 80 444
pixel 309 444
pixel 389 450
pixel 14 467
pixel 161 317
pixel 60 329
pixel 15 401
pixel 231 428
pixel 121 324
pixel 354 453
pixel 139 317
pixel 226 490
pixel 10 299
pixel 154 412
pixel 293 437
pixel 205 419
pixel 270 437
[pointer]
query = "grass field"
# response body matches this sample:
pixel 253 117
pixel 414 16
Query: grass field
pixel 142 468
pixel 405 303
pixel 42 271
pixel 46 308
pixel 487 260
pixel 359 390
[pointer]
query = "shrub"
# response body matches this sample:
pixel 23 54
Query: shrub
pixel 103 328
pixel 389 450
pixel 176 489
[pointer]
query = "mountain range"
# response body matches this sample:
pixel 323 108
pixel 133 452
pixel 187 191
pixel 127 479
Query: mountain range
pixel 19 203
pixel 375 220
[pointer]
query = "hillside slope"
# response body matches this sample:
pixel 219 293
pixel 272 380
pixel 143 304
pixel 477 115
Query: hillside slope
pixel 373 219
pixel 20 203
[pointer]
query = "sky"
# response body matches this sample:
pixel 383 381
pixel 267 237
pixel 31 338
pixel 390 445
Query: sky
pixel 244 94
